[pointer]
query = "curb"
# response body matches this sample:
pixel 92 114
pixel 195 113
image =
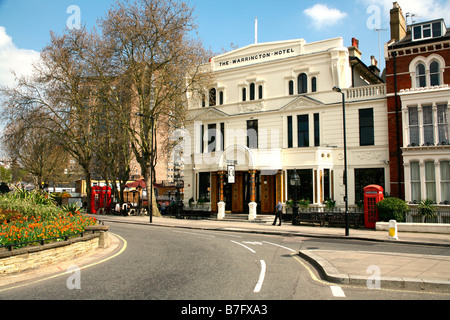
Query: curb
pixel 331 274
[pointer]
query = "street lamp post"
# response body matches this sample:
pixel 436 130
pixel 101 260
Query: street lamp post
pixel 295 182
pixel 150 192
pixel 337 89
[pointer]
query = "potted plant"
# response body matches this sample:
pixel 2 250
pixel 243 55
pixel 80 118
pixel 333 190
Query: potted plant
pixel 330 204
pixel 427 210
pixel 191 200
pixel 304 204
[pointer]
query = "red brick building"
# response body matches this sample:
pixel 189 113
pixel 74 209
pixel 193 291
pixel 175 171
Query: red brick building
pixel 418 93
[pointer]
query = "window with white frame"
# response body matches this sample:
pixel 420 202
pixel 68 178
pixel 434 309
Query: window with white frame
pixel 414 139
pixel 428 128
pixel 427 71
pixel 442 119
pixel 415 181
pixel 430 180
pixel 445 181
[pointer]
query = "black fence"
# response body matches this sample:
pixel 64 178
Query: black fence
pixel 331 217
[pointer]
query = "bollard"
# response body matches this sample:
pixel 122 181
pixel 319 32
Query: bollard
pixel 393 230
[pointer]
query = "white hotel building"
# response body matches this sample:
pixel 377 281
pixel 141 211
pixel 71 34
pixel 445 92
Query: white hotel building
pixel 270 109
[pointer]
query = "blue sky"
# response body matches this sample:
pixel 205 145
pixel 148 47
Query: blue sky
pixel 25 24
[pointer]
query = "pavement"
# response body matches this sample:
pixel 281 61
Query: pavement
pixel 389 270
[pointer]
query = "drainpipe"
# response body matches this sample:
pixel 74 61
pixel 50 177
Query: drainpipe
pixel 399 164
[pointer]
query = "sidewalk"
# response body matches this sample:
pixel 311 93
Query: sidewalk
pixel 397 270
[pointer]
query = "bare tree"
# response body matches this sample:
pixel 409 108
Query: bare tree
pixel 60 97
pixel 156 53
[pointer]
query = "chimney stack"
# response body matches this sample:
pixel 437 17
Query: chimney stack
pixel 354 49
pixel 398 23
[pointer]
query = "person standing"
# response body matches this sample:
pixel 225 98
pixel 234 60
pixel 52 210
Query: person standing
pixel 278 214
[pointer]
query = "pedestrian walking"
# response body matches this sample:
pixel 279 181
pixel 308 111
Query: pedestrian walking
pixel 278 214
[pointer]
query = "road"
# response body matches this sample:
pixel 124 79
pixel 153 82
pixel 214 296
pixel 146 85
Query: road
pixel 181 264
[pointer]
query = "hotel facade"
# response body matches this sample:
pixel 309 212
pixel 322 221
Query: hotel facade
pixel 270 109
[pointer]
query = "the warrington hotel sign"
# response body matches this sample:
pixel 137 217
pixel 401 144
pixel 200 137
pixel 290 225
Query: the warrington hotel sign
pixel 255 58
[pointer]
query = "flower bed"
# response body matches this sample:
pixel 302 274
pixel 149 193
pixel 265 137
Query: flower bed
pixel 22 229
pixel 27 218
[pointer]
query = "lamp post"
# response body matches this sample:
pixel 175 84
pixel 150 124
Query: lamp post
pixel 295 182
pixel 150 205
pixel 337 89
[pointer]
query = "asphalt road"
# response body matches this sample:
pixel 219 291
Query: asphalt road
pixel 194 265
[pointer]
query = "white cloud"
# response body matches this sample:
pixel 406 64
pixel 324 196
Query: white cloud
pixel 14 59
pixel 324 16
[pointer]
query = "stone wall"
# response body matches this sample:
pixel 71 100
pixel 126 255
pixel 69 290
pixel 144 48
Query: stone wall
pixel 34 257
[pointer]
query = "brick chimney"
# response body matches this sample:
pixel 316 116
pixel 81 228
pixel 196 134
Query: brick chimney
pixel 354 49
pixel 398 23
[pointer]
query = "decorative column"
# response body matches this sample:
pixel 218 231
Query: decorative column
pixel 221 204
pixel 252 205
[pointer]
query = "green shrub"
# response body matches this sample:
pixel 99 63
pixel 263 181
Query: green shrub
pixel 392 209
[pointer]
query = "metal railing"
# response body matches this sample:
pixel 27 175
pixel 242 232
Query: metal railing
pixel 442 216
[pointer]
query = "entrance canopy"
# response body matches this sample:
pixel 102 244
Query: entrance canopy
pixel 238 155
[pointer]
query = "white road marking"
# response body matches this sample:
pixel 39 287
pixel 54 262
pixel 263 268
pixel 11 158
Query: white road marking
pixel 244 246
pixel 274 244
pixel 253 242
pixel 337 291
pixel 261 277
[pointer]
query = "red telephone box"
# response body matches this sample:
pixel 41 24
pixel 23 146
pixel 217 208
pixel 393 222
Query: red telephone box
pixel 100 199
pixel 372 195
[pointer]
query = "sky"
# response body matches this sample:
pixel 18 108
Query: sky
pixel 25 25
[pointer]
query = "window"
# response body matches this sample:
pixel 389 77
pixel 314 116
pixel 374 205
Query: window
pixel 302 83
pixel 305 190
pixel 442 124
pixel 434 74
pixel 430 180
pixel 326 184
pixel 221 98
pixel 252 134
pixel 204 186
pixel 314 84
pixel 244 94
pixel 366 129
pixel 222 136
pixel 252 91
pixel 413 126
pixel 203 101
pixel 428 129
pixel 427 31
pixel 291 88
pixel 260 92
pixel 421 80
pixel 212 137
pixel 303 130
pixel 415 182
pixel 212 97
pixel 445 182
pixel 316 130
pixel 290 132
pixel 365 177
pixel 202 135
